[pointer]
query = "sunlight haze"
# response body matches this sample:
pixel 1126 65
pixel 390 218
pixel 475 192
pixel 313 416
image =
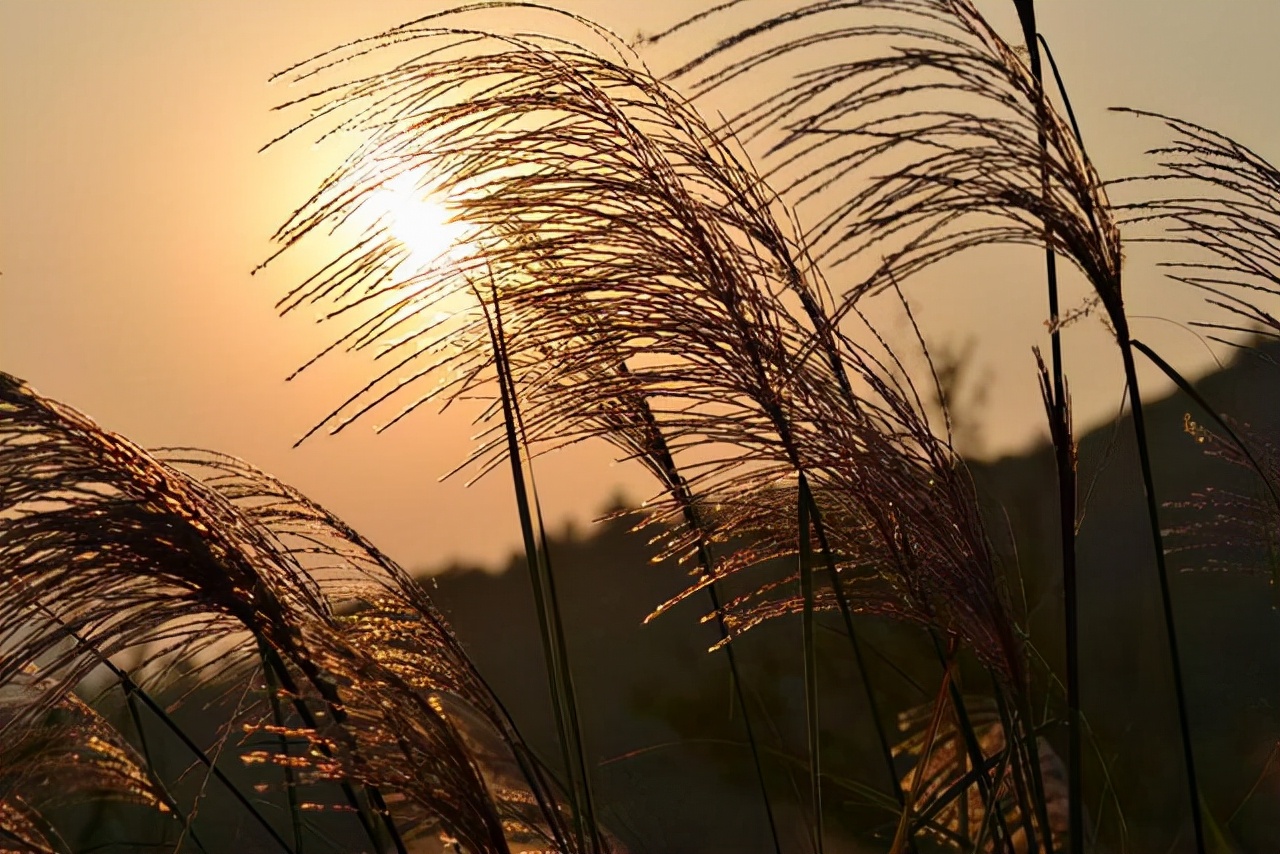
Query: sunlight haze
pixel 135 204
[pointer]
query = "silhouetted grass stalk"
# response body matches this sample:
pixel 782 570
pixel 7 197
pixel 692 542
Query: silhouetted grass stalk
pixel 134 693
pixel 658 452
pixel 549 617
pixel 812 720
pixel 1020 738
pixel 1058 410
pixel 902 834
pixel 290 781
pixel 1166 598
pixel 988 788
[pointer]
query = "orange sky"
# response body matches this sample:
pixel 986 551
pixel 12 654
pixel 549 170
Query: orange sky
pixel 133 205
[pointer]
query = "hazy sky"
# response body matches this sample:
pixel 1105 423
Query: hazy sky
pixel 133 206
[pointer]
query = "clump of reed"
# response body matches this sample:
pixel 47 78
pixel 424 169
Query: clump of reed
pixel 216 570
pixel 626 273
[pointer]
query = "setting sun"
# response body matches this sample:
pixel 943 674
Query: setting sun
pixel 419 223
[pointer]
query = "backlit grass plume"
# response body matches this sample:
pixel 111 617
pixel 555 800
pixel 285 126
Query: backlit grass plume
pixel 912 131
pixel 198 559
pixel 1221 200
pixel 1245 522
pixel 67 755
pixel 917 132
pixel 649 289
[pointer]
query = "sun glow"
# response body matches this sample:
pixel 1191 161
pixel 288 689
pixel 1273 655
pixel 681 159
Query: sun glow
pixel 422 225
pixel 431 238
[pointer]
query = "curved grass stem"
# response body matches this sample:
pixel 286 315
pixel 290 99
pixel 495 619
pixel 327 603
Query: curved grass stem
pixel 290 782
pixel 674 481
pixel 134 691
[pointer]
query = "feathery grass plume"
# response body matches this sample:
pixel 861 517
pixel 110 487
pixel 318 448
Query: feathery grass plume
pixel 393 646
pixel 948 806
pixel 928 136
pixel 1248 525
pixel 1224 208
pixel 616 228
pixel 922 140
pixel 1225 205
pixel 102 540
pixel 69 754
pixel 121 550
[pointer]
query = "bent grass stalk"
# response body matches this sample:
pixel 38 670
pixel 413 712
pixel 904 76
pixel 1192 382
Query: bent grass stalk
pixel 658 453
pixel 290 777
pixel 134 694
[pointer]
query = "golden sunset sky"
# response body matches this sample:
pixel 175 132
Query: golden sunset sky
pixel 134 204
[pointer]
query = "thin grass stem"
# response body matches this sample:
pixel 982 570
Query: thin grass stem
pixel 902 835
pixel 277 714
pixel 1064 458
pixel 813 722
pixel 334 705
pixel 679 489
pixel 132 689
pixel 1166 597
pixel 131 702
pixel 545 600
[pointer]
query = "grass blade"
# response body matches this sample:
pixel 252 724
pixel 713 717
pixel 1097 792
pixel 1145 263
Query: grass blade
pixel 810 664
pixel 1166 597
pixel 334 704
pixel 554 651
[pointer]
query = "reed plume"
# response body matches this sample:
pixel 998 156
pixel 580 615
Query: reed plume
pixel 1219 203
pixel 621 270
pixel 1223 204
pixel 1246 522
pixel 67 754
pixel 198 558
pixel 649 283
pixel 928 136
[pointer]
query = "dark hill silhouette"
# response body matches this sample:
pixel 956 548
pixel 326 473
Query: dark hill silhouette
pixel 653 695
